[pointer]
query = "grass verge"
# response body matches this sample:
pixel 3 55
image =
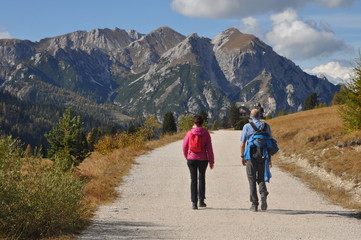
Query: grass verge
pixel 105 172
pixel 315 148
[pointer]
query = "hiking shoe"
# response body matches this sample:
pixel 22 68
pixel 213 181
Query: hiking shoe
pixel 202 204
pixel 194 206
pixel 264 204
pixel 254 208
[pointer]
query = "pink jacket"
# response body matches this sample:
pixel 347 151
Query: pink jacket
pixel 207 150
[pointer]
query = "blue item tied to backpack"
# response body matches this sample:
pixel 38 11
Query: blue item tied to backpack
pixel 268 147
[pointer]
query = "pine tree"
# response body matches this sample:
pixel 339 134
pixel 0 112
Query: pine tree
pixel 234 114
pixel 169 125
pixel 67 140
pixel 224 122
pixel 311 101
pixel 351 111
pixel 339 97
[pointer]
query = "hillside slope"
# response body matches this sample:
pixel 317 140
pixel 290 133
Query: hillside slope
pixel 315 148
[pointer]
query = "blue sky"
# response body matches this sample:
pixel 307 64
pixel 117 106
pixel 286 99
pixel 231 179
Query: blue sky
pixel 321 36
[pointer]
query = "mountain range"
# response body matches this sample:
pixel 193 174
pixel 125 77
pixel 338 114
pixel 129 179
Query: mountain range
pixel 125 73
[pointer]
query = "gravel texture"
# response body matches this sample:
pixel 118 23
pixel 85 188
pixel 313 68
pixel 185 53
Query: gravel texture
pixel 155 203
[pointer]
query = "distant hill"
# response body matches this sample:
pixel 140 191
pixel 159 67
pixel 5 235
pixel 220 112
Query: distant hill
pixel 155 73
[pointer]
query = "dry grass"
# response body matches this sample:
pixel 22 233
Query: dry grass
pixel 318 136
pixel 105 172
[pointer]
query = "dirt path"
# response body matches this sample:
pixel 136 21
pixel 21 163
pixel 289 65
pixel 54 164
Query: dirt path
pixel 155 203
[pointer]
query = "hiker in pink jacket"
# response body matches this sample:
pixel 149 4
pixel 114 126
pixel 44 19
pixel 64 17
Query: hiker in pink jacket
pixel 197 160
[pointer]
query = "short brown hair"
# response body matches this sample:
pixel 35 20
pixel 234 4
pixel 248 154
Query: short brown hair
pixel 198 120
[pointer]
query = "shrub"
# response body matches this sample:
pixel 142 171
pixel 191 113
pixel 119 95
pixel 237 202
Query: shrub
pixel 186 122
pixel 215 125
pixel 108 144
pixel 105 145
pixel 282 113
pixel 37 199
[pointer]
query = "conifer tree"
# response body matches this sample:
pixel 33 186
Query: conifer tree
pixel 234 114
pixel 351 111
pixel 224 122
pixel 311 101
pixel 169 125
pixel 67 140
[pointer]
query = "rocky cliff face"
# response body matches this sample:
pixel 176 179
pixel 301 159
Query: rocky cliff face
pixel 158 72
pixel 264 76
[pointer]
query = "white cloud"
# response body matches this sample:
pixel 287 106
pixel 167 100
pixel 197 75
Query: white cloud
pixel 4 35
pixel 244 8
pixel 334 72
pixel 252 25
pixel 297 39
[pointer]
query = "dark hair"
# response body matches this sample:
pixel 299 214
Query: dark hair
pixel 198 120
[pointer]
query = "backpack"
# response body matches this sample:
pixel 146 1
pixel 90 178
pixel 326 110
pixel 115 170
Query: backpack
pixel 263 143
pixel 195 143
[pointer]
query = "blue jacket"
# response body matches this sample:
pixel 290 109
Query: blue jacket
pixel 269 144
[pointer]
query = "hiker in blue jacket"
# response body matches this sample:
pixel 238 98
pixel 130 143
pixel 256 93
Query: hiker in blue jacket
pixel 256 167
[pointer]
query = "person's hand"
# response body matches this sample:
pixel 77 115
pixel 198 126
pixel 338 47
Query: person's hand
pixel 211 166
pixel 270 164
pixel 243 161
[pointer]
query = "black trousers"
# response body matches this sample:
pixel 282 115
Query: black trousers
pixel 255 174
pixel 197 169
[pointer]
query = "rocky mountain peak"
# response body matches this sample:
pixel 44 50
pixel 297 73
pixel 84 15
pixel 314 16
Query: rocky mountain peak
pixel 102 39
pixel 134 35
pixel 160 39
pixel 233 39
pixel 139 55
pixel 189 50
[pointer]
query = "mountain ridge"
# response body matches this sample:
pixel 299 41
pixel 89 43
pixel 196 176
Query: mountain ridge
pixel 160 71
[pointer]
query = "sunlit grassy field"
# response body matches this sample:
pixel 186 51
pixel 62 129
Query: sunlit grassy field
pixel 318 137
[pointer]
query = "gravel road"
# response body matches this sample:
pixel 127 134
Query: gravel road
pixel 155 203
